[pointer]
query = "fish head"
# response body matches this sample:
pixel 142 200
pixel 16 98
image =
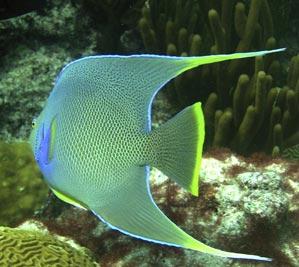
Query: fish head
pixel 36 135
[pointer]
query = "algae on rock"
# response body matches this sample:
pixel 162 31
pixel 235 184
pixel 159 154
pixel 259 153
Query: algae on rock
pixel 22 190
pixel 33 49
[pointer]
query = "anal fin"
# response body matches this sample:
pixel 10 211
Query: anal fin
pixel 133 212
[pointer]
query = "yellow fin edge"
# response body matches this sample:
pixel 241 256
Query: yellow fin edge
pixel 192 62
pixel 194 244
pixel 201 136
pixel 69 199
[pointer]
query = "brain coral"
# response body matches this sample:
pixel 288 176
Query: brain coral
pixel 21 248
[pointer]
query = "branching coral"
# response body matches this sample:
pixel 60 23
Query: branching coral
pixel 262 115
pixel 246 107
pixel 202 27
pixel 22 189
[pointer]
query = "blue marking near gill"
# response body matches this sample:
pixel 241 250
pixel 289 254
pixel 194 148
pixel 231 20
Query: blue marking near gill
pixel 38 143
pixel 42 155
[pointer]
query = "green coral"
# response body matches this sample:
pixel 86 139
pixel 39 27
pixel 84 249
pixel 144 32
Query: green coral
pixel 223 26
pixel 263 116
pixel 21 248
pixel 203 27
pixel 246 108
pixel 22 191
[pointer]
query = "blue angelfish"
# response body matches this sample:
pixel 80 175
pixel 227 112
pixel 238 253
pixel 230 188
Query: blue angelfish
pixel 94 144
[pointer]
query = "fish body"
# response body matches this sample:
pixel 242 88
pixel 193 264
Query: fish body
pixel 94 144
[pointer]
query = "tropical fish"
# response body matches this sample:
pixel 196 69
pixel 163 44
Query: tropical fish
pixel 94 144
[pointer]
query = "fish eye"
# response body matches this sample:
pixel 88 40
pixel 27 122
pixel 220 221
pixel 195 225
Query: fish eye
pixel 33 124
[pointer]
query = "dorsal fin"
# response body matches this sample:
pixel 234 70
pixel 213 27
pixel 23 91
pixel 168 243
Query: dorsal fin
pixel 133 80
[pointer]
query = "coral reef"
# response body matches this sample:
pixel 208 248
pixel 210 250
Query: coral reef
pixel 246 204
pixel 263 115
pixel 22 191
pixel 116 12
pixel 246 106
pixel 34 48
pixel 203 27
pixel 112 18
pixel 31 245
pixel 291 152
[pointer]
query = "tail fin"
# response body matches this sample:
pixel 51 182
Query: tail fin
pixel 178 145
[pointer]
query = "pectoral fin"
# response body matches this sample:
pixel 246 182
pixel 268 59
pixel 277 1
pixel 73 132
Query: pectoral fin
pixel 68 199
pixel 133 212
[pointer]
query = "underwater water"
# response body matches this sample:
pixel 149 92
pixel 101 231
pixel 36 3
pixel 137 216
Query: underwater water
pixel 248 200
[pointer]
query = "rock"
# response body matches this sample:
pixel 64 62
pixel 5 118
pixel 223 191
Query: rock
pixel 34 48
pixel 245 205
